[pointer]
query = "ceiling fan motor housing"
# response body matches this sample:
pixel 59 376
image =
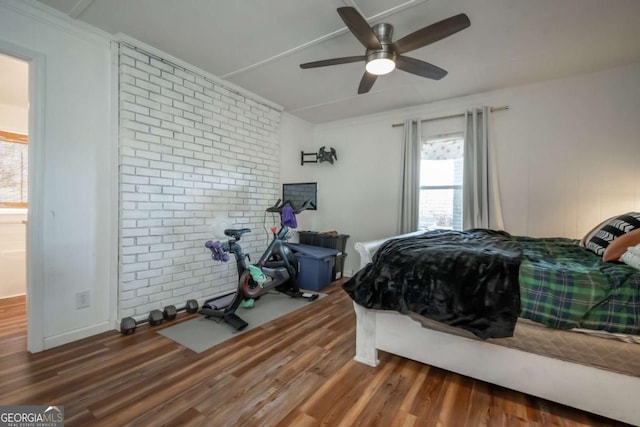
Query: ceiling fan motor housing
pixel 384 32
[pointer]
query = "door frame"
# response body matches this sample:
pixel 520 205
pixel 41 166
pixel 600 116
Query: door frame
pixel 35 253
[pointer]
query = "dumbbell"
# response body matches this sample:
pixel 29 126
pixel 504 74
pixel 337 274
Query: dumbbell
pixel 170 312
pixel 128 325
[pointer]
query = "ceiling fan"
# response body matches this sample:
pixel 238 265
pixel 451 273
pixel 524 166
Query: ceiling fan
pixel 383 55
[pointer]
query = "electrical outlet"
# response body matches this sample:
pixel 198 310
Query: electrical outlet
pixel 83 299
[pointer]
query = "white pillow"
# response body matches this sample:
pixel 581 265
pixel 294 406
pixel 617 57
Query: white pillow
pixel 634 249
pixel 631 258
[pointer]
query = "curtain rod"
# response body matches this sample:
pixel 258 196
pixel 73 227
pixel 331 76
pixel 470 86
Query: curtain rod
pixel 492 109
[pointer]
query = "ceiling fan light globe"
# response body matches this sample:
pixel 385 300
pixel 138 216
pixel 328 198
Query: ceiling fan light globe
pixel 380 66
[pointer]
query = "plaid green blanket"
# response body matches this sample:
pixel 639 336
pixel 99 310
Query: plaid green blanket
pixel 565 286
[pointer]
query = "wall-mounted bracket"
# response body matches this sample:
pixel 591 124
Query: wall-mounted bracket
pixel 303 155
pixel 321 156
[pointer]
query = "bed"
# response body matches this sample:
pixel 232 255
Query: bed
pixel 602 390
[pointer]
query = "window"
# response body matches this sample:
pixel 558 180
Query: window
pixel 13 170
pixel 441 172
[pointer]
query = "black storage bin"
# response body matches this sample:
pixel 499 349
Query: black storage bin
pixel 324 240
pixel 338 266
pixel 309 238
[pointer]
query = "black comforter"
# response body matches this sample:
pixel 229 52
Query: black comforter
pixel 467 279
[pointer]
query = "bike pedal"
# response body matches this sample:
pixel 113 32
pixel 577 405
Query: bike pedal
pixel 235 321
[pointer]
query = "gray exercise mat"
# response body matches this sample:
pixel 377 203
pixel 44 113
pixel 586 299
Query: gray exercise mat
pixel 201 334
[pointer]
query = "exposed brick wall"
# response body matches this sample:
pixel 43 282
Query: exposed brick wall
pixel 191 150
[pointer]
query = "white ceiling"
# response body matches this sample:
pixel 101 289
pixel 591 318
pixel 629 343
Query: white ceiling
pixel 258 44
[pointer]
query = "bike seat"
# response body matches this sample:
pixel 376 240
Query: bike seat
pixel 236 232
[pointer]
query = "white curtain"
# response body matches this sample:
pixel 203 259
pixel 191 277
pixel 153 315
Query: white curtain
pixel 481 198
pixel 410 194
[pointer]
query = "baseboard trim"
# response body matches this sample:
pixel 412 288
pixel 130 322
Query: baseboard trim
pixel 76 334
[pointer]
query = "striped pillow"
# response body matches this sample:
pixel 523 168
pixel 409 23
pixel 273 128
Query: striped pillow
pixel 598 239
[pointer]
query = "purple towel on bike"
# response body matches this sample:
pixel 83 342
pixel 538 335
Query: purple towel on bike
pixel 289 217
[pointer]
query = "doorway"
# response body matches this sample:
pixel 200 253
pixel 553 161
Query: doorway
pixel 22 112
pixel 14 160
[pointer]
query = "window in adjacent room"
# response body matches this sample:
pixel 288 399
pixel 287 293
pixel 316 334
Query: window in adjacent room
pixel 441 172
pixel 13 170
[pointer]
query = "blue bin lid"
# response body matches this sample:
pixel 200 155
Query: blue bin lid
pixel 312 251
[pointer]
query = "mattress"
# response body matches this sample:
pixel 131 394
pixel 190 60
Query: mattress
pixel 614 352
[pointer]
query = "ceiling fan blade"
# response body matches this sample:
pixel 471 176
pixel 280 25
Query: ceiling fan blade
pixel 334 61
pixel 420 68
pixel 359 27
pixel 367 81
pixel 432 33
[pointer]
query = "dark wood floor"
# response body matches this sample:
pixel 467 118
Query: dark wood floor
pixel 295 371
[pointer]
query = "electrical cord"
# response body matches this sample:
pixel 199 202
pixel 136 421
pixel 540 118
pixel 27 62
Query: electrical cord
pixel 264 225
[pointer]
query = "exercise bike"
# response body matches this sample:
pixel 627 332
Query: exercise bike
pixel 276 269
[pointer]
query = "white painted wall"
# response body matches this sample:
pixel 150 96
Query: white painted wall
pixel 13 118
pixel 568 152
pixel 297 135
pixel 70 221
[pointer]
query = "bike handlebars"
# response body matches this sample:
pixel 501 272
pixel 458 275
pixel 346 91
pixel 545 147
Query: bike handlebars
pixel 278 206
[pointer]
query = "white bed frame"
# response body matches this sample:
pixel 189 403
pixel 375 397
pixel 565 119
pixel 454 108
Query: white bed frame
pixel 599 391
